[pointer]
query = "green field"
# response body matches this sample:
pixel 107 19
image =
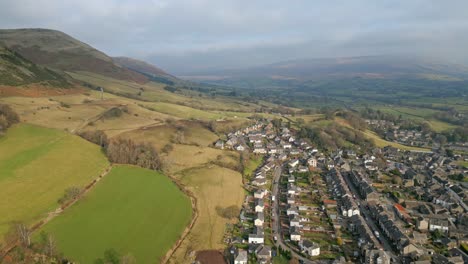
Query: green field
pixel 36 166
pixel 132 210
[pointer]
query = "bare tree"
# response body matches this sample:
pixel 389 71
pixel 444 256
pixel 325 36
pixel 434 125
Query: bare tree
pixel 128 259
pixel 23 234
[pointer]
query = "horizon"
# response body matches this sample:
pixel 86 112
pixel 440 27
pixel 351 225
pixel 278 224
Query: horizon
pixel 189 36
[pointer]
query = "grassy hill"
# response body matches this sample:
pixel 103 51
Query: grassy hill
pixel 132 210
pixel 37 164
pixel 58 50
pixel 15 70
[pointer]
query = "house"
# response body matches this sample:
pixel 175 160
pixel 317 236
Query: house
pixel 312 162
pixel 291 179
pixel 260 193
pixel 259 207
pixel 440 224
pixel 256 239
pixel 293 163
pixel 292 211
pixel 294 234
pixel 292 189
pixel 419 238
pixel 259 182
pixel 291 199
pixel 219 144
pixel 422 224
pixel 260 219
pixel 283 156
pixel 259 150
pixel 303 169
pixel 295 221
pixel 239 148
pixel 329 203
pixel 263 254
pixel 311 248
pixel 376 256
pixel 241 257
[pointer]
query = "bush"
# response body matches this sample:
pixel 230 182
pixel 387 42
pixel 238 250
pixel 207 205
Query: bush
pixel 64 105
pixel 70 194
pixel 8 117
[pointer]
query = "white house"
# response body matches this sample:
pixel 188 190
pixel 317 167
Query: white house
pixel 260 193
pixel 292 211
pixel 259 207
pixel 312 162
pixel 295 235
pixel 291 179
pixel 311 248
pixel 260 219
pixel 295 221
pixel 240 148
pixel 293 163
pixel 259 182
pixel 256 239
pixel 241 257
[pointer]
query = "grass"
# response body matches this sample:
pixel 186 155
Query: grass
pixel 213 186
pixel 132 210
pixel 253 164
pixel 36 166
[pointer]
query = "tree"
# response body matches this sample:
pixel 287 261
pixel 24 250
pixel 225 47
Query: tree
pixel 48 244
pixel 294 260
pixel 128 259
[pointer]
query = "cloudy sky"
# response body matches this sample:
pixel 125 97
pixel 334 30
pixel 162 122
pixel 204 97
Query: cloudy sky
pixel 186 36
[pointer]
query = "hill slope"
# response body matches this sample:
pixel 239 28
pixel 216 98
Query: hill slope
pixel 58 50
pixel 16 70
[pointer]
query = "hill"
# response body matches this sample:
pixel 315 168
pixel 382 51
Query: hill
pixel 58 50
pixel 385 79
pixel 149 70
pixel 15 70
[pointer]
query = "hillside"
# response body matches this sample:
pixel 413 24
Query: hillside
pixel 15 70
pixel 58 50
pixel 149 70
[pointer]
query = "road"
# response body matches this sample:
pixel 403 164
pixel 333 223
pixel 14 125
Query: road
pixel 276 221
pixel 370 221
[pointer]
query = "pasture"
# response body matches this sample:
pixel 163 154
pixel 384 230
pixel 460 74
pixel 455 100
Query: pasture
pixel 215 188
pixel 36 166
pixel 132 210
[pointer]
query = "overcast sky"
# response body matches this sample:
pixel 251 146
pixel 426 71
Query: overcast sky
pixel 184 36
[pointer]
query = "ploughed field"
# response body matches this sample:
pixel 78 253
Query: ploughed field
pixel 134 211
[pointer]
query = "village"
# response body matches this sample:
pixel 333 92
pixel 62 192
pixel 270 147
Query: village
pixel 384 206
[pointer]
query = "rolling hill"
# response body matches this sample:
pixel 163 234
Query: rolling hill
pixel 58 50
pixel 384 79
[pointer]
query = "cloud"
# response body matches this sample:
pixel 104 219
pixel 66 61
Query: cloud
pixel 191 35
